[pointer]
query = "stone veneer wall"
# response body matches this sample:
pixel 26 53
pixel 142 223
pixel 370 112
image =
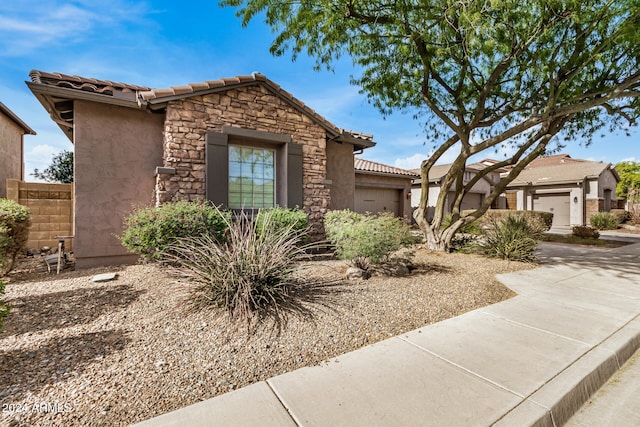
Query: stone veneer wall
pixel 250 107
pixel 51 207
pixel 593 206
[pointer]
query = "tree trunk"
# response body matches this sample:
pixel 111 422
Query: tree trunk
pixel 435 242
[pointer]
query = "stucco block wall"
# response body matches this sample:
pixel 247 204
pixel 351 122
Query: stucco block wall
pixel 51 207
pixel 252 108
pixel 116 152
pixel 11 157
pixel 340 171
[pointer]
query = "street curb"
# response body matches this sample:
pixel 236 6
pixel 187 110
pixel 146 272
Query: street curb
pixel 560 398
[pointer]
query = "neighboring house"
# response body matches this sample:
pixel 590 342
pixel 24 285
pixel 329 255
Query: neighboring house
pixel 572 189
pixel 12 132
pixel 242 142
pixel 471 200
pixel 382 188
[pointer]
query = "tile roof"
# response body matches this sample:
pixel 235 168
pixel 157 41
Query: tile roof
pixel 556 159
pixel 194 88
pixel 572 171
pixel 156 98
pixel 362 165
pixel 13 116
pixel 104 87
pixel 437 172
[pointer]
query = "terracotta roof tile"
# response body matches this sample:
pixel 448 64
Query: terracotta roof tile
pixel 369 166
pixel 180 90
pixel 104 87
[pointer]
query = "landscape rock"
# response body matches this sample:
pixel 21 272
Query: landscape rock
pixel 355 273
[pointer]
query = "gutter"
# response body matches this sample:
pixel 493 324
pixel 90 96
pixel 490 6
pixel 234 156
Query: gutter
pixel 67 93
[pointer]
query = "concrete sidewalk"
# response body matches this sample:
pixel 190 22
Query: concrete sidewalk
pixel 531 360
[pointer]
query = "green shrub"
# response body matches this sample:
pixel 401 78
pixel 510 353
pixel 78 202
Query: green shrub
pixel 14 232
pixel 283 218
pixel 247 274
pixel 623 215
pixel 4 308
pixel 604 221
pixel 363 239
pixel 149 231
pixel 510 238
pixel 585 232
pixel 537 220
pixel 471 228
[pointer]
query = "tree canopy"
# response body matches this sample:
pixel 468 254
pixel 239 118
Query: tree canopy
pixel 629 178
pixel 481 75
pixel 60 170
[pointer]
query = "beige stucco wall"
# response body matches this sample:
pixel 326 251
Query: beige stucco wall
pixel 116 152
pixel 252 108
pixel 389 181
pixel 11 157
pixel 341 174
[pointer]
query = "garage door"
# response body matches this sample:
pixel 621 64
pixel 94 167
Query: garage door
pixel 370 199
pixel 558 204
pixel 470 201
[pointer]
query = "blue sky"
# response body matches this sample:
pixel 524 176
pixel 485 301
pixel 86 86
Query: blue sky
pixel 169 43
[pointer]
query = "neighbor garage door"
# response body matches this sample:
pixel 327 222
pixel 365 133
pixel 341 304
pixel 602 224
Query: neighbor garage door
pixel 372 199
pixel 470 201
pixel 557 203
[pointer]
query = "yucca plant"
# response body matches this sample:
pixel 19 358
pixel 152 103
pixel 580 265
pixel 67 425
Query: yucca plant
pixel 248 274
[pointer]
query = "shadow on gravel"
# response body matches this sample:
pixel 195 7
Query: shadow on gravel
pixel 23 371
pixel 63 309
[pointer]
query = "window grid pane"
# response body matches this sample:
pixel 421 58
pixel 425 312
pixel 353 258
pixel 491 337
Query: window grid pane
pixel 251 178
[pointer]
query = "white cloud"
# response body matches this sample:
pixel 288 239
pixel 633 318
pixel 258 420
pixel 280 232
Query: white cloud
pixel 411 162
pixel 28 26
pixel 38 157
pixel 628 159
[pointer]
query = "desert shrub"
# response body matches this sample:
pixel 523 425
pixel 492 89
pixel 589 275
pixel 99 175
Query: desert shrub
pixel 363 239
pixel 248 273
pixel 604 221
pixel 283 218
pixel 471 228
pixel 585 232
pixel 634 206
pixel 14 232
pixel 511 238
pixel 537 220
pixel 622 215
pixel 4 308
pixel 150 231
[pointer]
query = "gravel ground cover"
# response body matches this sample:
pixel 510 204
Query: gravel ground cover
pixel 77 353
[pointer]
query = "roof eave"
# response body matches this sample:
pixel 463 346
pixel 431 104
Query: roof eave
pixel 16 119
pixel 45 94
pixel 75 94
pixel 395 175
pixel 358 143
